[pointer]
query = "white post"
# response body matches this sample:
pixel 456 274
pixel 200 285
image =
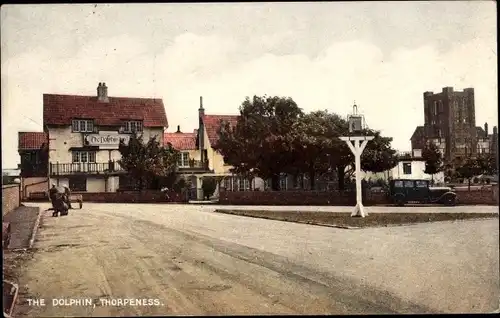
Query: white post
pixel 357 150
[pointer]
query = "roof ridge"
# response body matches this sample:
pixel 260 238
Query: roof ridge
pixel 93 96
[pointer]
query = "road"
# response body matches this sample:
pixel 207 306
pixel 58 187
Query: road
pixel 195 262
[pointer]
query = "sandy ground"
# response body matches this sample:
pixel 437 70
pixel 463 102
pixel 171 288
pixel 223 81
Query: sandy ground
pixel 190 261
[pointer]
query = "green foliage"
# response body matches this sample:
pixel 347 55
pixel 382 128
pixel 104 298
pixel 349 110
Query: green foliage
pixel 468 169
pixel 487 163
pixel 433 159
pixel 261 141
pixel 208 186
pixel 147 162
pixel 274 136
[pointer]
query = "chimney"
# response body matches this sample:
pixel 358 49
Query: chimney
pixel 201 129
pixel 201 110
pixel 486 129
pixel 178 128
pixel 102 93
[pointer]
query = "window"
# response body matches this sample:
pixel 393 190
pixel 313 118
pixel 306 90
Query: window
pixel 78 183
pixel 82 125
pixel 406 167
pixel 183 160
pixel 398 184
pixel 408 184
pixel 83 156
pixel 435 107
pixel 440 107
pixel 132 126
pixel 421 184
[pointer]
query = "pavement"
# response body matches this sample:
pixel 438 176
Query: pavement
pixel 188 260
pixel 23 221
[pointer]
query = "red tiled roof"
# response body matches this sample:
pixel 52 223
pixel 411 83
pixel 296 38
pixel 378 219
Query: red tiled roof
pixel 31 140
pixel 180 141
pixel 60 109
pixel 213 122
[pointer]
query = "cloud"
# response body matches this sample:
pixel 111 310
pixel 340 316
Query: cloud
pixel 387 87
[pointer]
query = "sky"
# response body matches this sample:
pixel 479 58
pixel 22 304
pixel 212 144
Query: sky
pixel 325 55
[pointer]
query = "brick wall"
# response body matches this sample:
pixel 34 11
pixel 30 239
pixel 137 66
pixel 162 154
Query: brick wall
pixel 484 196
pixel 10 198
pixel 33 184
pixel 131 197
pixel 297 198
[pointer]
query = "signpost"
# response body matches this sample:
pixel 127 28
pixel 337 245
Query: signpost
pixel 356 125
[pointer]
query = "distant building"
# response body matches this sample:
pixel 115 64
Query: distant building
pixel 450 122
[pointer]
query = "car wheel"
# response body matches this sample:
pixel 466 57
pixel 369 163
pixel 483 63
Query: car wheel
pixel 449 201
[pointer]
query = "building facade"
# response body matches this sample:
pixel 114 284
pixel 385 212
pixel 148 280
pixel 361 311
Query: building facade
pixel 83 134
pixel 199 159
pixel 450 123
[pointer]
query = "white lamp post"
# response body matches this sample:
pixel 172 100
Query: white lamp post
pixel 356 125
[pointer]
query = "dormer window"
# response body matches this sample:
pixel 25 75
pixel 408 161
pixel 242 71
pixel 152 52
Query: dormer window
pixel 82 125
pixel 132 126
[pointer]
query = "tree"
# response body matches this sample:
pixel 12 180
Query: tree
pixel 433 159
pixel 378 155
pixel 262 141
pixel 468 169
pixel 147 162
pixel 208 186
pixel 487 164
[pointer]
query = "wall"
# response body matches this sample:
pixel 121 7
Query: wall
pixel 33 184
pixel 297 198
pixel 10 197
pixel 132 197
pixel 486 196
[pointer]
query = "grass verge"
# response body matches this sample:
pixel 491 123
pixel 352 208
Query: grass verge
pixel 344 220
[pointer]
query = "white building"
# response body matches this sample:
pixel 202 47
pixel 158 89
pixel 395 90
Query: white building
pixel 84 133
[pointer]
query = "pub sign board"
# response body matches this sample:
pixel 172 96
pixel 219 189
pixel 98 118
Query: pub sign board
pixel 105 139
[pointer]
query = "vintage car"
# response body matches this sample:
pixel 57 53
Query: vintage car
pixel 403 191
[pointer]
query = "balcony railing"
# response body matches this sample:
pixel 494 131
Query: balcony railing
pixel 196 165
pixel 85 168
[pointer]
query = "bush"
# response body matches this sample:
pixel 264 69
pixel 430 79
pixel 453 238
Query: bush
pixel 208 186
pixel 476 180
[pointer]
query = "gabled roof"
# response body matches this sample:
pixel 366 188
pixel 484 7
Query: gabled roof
pixel 60 109
pixel 418 133
pixel 180 141
pixel 213 122
pixel 31 140
pixel 480 133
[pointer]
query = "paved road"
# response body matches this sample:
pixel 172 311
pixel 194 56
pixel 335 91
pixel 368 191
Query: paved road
pixel 200 263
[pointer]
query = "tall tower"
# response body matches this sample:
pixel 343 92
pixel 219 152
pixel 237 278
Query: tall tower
pixel 450 120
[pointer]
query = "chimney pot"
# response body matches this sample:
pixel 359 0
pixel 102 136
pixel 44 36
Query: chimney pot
pixel 102 92
pixel 178 128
